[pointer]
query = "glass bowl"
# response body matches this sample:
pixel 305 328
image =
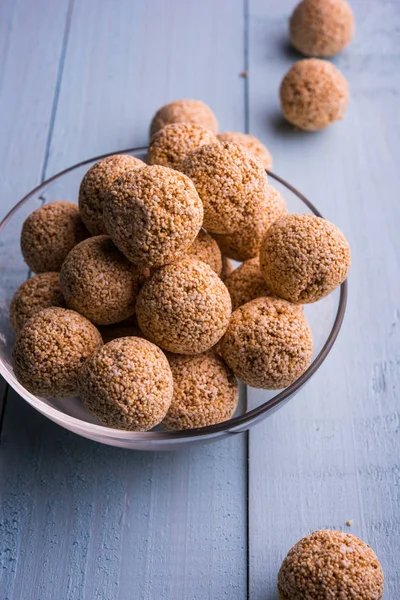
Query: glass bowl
pixel 325 318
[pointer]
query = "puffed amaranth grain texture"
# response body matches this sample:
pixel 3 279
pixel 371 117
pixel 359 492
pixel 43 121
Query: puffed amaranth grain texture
pixel 321 27
pixel 51 349
pixel 231 184
pixel 39 292
pixel 153 215
pixel 313 94
pixel 205 391
pixel 96 184
pixel 268 343
pixel 184 307
pixel 184 111
pixel 206 249
pixel 171 144
pixel 328 565
pixel 127 384
pixel 246 283
pixel 251 143
pixel 49 233
pixel 99 282
pixel 304 258
pixel 245 243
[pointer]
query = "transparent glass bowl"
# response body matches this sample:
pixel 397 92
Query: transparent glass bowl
pixel 325 318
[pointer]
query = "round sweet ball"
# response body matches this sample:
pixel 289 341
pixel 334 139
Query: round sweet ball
pixel 268 343
pixel 127 384
pixel 227 268
pixel 313 94
pixel 321 27
pixel 153 215
pixel 206 249
pixel 231 184
pixel 184 111
pixel 49 233
pixel 184 307
pixel 245 243
pixel 99 282
pixel 304 258
pixel 51 349
pixel 96 184
pixel 39 292
pixel 330 564
pixel 205 392
pixel 251 143
pixel 171 144
pixel 246 283
pixel 127 328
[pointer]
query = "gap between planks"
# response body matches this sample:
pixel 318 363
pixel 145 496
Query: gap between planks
pixel 4 390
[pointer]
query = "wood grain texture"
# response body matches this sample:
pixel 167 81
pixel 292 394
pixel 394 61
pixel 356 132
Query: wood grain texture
pixel 30 52
pixel 124 63
pixel 80 520
pixel 332 453
pixel 31 47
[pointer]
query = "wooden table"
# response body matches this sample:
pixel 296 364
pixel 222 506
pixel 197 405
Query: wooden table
pixel 81 521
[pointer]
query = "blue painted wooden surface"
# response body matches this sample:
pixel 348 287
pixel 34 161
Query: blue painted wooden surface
pixel 80 521
pixel 332 454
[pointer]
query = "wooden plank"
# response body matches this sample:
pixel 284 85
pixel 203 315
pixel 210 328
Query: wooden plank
pixel 30 52
pixel 83 520
pixel 6 20
pixel 126 63
pixel 332 453
pixel 31 49
pixel 87 521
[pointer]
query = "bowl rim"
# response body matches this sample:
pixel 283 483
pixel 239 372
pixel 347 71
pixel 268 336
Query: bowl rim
pixel 233 425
